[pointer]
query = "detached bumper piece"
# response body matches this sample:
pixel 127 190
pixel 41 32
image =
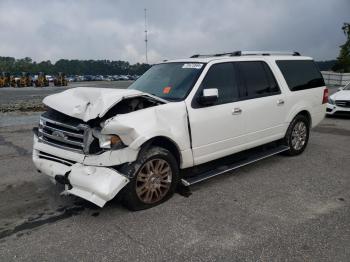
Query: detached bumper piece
pixel 95 184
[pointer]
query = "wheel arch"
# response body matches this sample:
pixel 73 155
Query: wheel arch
pixel 300 110
pixel 164 142
pixel 307 114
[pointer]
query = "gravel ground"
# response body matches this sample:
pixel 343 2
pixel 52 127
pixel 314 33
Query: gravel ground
pixel 278 209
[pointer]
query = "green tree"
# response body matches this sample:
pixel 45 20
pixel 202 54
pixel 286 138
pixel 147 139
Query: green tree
pixel 343 60
pixel 7 64
pixel 71 67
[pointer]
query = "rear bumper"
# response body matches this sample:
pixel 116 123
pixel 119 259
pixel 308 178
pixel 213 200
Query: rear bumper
pixel 94 183
pixel 335 110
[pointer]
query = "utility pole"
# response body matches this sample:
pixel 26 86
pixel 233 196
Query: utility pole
pixel 146 39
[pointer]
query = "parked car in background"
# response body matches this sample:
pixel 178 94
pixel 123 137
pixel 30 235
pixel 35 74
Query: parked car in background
pixel 50 78
pixel 71 79
pixel 123 77
pixel 99 78
pixel 339 102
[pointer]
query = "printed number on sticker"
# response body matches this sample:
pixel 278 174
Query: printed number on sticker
pixel 192 66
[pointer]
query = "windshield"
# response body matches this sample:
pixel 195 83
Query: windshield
pixel 170 81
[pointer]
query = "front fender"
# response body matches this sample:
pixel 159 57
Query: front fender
pixel 167 120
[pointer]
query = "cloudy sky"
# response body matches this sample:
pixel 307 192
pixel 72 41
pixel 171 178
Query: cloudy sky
pixel 82 29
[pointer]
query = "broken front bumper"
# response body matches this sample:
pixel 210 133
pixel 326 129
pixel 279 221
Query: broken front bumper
pixel 94 183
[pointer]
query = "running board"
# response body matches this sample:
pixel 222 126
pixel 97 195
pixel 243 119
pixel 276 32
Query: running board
pixel 219 170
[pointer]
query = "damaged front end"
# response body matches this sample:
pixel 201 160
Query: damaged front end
pixel 95 184
pixel 72 147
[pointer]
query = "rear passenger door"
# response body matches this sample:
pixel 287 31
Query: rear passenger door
pixel 262 103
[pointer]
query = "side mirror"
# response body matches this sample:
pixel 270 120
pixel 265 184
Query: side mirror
pixel 340 88
pixel 209 96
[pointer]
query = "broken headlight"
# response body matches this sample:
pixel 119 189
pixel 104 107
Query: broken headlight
pixel 108 141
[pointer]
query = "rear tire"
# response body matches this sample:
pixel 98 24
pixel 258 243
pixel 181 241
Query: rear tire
pixel 153 179
pixel 297 135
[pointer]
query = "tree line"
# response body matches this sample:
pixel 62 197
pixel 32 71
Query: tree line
pixel 89 67
pixel 71 67
pixel 343 60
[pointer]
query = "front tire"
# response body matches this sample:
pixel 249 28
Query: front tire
pixel 153 179
pixel 297 135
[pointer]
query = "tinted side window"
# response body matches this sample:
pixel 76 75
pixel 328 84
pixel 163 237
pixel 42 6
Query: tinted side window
pixel 300 74
pixel 222 77
pixel 274 88
pixel 257 79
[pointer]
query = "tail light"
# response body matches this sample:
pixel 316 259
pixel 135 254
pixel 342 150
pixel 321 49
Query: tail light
pixel 325 96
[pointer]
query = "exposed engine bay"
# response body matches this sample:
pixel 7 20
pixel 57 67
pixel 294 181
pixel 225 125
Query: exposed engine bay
pixel 129 105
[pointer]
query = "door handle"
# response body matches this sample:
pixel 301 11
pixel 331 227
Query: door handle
pixel 280 102
pixel 236 111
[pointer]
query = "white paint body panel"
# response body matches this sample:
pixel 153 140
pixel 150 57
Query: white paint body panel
pixel 215 132
pixel 168 120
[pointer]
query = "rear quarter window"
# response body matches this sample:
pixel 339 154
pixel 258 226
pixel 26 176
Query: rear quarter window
pixel 300 74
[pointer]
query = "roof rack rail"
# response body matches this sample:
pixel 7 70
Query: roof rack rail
pixel 269 53
pixel 235 53
pixel 246 53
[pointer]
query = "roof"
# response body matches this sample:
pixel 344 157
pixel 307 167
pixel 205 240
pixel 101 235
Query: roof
pixel 239 55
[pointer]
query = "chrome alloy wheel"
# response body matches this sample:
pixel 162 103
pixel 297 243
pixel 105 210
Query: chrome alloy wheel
pixel 299 135
pixel 153 181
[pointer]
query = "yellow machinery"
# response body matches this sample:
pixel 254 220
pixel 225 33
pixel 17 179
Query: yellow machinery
pixel 4 79
pixel 41 81
pixel 13 81
pixel 60 80
pixel 25 80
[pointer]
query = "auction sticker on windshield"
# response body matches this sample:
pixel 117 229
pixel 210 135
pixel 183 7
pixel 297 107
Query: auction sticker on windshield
pixel 166 90
pixel 192 66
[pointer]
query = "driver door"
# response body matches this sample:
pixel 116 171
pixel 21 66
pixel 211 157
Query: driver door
pixel 216 129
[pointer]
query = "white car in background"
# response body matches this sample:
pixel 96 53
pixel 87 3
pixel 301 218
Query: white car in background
pixel 49 78
pixel 339 102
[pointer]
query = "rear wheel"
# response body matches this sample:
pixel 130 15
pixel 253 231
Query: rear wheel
pixel 154 176
pixel 297 135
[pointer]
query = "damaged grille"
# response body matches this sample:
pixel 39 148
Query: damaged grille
pixel 70 135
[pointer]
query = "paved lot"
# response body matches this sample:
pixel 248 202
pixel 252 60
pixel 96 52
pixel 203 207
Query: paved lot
pixel 279 209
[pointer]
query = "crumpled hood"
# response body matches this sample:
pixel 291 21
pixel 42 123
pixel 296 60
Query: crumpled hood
pixel 87 103
pixel 341 95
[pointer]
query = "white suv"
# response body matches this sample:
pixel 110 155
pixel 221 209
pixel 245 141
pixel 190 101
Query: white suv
pixel 145 140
